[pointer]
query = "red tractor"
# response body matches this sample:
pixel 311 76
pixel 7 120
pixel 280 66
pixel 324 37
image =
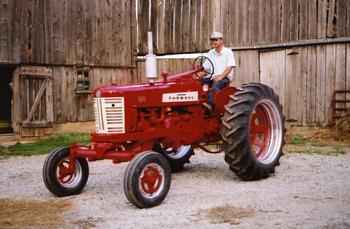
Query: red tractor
pixel 157 125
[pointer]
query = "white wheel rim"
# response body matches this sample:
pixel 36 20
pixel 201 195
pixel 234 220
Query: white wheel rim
pixel 179 152
pixel 274 131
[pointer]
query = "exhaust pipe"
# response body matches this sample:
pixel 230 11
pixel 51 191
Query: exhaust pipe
pixel 151 61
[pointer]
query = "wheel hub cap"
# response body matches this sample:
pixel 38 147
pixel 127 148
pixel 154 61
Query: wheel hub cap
pixel 68 175
pixel 151 180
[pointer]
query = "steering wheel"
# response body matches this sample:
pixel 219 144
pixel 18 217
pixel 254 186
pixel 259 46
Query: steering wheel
pixel 206 64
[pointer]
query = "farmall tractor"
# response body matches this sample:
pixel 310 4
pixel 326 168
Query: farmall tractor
pixel 157 125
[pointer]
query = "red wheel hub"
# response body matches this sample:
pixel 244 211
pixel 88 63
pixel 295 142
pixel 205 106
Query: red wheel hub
pixel 260 131
pixel 151 179
pixel 65 171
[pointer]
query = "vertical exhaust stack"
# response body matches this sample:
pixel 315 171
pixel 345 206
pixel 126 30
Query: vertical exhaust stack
pixel 151 61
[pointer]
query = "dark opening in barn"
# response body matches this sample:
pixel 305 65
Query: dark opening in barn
pixel 6 73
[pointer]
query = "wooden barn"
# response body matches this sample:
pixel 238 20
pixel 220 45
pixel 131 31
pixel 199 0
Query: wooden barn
pixel 53 53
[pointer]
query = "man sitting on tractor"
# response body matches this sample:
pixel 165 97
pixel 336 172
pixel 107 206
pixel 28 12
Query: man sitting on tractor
pixel 223 61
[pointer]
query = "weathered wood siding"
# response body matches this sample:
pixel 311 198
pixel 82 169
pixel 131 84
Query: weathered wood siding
pixel 304 77
pixel 178 25
pixel 307 78
pixel 65 32
pixel 184 25
pixel 72 107
pixel 67 105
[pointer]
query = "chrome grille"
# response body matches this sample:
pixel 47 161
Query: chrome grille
pixel 110 115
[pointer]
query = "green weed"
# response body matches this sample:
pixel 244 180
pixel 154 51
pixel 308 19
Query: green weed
pixel 43 146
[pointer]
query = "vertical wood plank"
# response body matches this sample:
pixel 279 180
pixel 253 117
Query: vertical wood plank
pixel 347 19
pixel 275 21
pixel 303 22
pixel 268 21
pixel 261 21
pixel 4 31
pixel 206 30
pixel 340 71
pixel 236 9
pixel 332 19
pixel 194 23
pixel 254 21
pixel 311 86
pixel 312 19
pixel 293 19
pixel 178 25
pixel 321 85
pixel 348 72
pixel 330 79
pixel 322 18
pixel 294 96
pixel 285 20
pixel 341 6
pixel 143 21
pixel 198 5
pixel 244 22
pixel 186 25
pixel 272 73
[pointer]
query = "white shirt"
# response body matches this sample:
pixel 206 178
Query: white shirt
pixel 222 60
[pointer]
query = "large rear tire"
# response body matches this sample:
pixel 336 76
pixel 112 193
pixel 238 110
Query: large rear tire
pixel 253 131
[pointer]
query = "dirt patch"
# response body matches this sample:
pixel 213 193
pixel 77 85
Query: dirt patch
pixel 226 214
pixel 88 223
pixel 32 213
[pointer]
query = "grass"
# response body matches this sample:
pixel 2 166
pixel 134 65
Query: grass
pixel 43 146
pixel 313 140
pixel 298 140
pixel 313 144
pixel 333 150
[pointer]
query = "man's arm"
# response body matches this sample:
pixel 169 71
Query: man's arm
pixel 224 74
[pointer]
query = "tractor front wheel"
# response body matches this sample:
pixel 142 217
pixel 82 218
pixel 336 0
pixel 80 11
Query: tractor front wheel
pixel 253 131
pixel 62 176
pixel 147 179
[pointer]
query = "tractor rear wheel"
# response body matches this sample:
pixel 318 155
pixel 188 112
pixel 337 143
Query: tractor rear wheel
pixel 253 131
pixel 147 179
pixel 60 177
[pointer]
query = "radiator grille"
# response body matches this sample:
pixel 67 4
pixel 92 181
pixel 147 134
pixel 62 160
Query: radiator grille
pixel 110 115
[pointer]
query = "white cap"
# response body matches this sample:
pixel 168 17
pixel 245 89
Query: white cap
pixel 216 35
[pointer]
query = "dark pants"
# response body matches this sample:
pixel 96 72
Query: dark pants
pixel 216 86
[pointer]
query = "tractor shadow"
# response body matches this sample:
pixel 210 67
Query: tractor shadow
pixel 208 171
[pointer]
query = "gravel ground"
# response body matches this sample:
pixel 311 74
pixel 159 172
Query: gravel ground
pixel 307 191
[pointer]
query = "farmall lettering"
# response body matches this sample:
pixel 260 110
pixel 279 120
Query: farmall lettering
pixel 157 125
pixel 180 97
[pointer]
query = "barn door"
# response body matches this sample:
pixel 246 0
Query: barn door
pixel 33 102
pixel 272 70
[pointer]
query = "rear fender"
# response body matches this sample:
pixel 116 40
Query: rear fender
pixel 221 98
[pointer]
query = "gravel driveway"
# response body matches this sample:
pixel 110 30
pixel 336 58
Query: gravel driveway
pixel 308 191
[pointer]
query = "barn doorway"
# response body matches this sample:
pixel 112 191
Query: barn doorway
pixel 6 74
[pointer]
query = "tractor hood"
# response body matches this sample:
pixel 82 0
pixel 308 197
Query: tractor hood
pixel 178 89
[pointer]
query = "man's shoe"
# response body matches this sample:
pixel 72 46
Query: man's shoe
pixel 208 107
